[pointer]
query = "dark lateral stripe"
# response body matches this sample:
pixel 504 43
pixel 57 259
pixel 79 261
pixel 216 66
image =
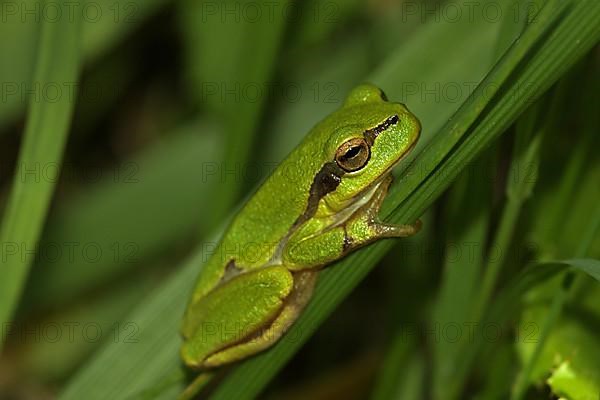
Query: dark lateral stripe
pixel 326 181
pixel 371 134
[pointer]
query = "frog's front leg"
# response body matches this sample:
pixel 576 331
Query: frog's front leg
pixel 361 228
pixel 364 226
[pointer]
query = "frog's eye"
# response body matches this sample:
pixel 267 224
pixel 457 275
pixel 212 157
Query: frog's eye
pixel 353 155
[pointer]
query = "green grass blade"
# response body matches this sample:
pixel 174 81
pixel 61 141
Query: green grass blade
pixel 588 267
pixel 43 144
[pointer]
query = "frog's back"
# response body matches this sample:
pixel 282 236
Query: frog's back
pixel 256 231
pixel 272 211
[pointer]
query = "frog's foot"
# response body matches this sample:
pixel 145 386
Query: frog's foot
pixel 389 230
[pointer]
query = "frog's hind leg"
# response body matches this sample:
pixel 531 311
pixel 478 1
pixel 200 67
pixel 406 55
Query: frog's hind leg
pixel 234 310
pixel 304 282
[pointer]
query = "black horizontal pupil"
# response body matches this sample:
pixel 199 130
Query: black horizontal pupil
pixel 352 152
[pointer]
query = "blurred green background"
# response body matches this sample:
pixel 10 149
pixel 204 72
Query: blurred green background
pixel 131 130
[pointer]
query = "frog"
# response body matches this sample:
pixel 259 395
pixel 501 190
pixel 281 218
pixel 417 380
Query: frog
pixel 319 204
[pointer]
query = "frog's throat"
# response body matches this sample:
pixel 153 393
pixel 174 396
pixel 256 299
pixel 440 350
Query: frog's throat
pixel 363 198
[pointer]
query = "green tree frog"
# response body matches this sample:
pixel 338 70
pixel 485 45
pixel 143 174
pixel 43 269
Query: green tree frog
pixel 319 204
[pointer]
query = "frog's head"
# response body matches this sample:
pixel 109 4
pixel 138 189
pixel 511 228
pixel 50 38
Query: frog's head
pixel 369 137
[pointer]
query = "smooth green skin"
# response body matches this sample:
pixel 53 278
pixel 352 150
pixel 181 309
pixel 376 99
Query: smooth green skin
pixel 302 218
